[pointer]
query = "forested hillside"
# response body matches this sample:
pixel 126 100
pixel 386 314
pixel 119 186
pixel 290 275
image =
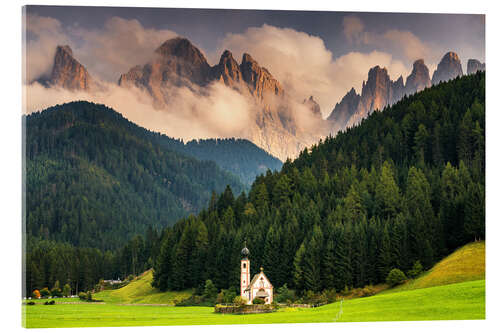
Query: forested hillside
pixel 95 179
pixel 406 185
pixel 238 156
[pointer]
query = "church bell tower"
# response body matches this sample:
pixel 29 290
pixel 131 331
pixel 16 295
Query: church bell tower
pixel 245 272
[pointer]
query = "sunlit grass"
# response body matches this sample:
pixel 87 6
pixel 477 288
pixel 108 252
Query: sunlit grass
pixel 465 264
pixel 454 301
pixel 140 291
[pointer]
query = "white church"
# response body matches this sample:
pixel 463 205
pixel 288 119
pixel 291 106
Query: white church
pixel 259 286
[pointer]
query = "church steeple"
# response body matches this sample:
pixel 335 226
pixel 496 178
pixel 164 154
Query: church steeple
pixel 245 272
pixel 245 252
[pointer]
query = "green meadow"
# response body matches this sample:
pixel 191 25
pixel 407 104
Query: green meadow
pixel 455 301
pixel 453 289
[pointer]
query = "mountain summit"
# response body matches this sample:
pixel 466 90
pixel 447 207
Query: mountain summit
pixel 419 78
pixel 67 72
pixel 448 68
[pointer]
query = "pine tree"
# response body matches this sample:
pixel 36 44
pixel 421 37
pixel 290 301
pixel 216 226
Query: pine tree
pixel 298 264
pixel 312 260
pixel 387 194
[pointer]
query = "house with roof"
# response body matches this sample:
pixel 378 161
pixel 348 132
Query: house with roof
pixel 259 286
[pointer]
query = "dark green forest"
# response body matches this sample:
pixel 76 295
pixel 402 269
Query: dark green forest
pixel 406 185
pixel 238 156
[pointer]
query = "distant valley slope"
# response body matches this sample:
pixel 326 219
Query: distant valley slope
pixel 96 179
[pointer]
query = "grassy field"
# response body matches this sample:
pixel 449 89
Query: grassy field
pixel 140 291
pixel 455 301
pixel 453 289
pixel 465 264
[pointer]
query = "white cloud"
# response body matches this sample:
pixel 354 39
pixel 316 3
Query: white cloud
pixel 217 111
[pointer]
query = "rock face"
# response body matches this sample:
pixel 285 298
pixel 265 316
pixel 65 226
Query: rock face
pixel 448 68
pixel 67 72
pixel 313 106
pixel 344 110
pixel 380 91
pixel 179 63
pixel 176 62
pixel 474 65
pixel 377 92
pixel 419 78
pixel 227 71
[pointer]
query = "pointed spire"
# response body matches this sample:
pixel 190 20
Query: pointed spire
pixel 245 252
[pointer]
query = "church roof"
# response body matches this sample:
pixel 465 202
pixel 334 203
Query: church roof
pixel 255 278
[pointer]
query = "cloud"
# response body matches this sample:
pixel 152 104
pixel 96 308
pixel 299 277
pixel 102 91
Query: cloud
pixel 106 53
pixel 401 44
pixel 43 35
pixel 303 64
pixel 121 44
pixel 217 111
pixel 353 29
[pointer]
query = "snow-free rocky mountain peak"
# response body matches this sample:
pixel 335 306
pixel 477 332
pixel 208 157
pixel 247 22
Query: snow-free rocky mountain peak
pixel 67 72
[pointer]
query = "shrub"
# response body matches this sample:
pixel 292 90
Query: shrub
pixel 82 296
pixel 230 294
pixel 89 296
pixel 284 294
pixel 395 277
pixel 193 300
pixel 210 291
pixel 240 301
pixel 310 297
pixel 30 303
pixel 226 295
pixel 258 301
pixel 220 298
pixel 36 294
pixel 66 290
pixel 45 292
pixel 50 302
pixel 416 270
pixel 367 291
pixel 56 292
pixel 345 291
pixel 330 295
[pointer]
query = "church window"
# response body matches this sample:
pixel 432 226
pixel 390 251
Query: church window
pixel 244 265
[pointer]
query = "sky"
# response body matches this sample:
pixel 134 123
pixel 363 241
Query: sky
pixel 323 54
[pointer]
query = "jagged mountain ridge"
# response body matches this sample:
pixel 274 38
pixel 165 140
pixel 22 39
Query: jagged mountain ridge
pixel 276 129
pixel 380 91
pixel 178 62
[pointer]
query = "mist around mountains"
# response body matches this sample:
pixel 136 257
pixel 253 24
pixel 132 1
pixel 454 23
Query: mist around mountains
pixel 178 93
